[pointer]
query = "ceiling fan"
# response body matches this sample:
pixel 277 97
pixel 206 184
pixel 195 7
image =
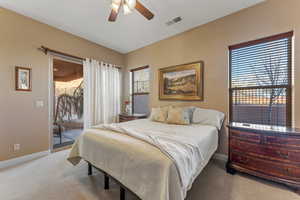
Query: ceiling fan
pixel 128 7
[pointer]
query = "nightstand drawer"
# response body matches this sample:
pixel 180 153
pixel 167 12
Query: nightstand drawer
pixel 289 142
pixel 271 168
pixel 246 136
pixel 126 117
pixel 266 151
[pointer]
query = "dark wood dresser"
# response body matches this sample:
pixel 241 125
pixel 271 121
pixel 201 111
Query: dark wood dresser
pixel 269 152
pixel 129 117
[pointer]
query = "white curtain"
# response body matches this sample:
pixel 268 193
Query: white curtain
pixel 102 93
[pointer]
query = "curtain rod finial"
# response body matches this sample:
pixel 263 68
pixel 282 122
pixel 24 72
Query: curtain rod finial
pixel 43 49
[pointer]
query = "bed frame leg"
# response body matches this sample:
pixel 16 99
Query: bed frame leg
pixel 106 181
pixel 122 193
pixel 90 169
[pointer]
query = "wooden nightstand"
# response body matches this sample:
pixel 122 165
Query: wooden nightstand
pixel 268 152
pixel 129 117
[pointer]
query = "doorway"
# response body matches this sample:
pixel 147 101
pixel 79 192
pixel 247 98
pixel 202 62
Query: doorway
pixel 67 102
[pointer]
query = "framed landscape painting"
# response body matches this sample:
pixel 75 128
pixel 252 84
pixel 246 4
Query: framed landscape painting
pixel 23 79
pixel 182 82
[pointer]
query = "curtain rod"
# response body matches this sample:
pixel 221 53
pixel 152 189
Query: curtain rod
pixel 46 50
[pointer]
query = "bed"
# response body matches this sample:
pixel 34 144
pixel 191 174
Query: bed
pixel 152 165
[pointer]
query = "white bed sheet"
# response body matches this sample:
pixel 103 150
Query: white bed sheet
pixel 94 142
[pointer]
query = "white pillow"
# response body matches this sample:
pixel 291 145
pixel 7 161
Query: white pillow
pixel 208 117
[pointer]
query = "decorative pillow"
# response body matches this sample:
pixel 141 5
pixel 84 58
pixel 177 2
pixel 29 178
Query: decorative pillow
pixel 159 114
pixel 190 110
pixel 208 117
pixel 178 115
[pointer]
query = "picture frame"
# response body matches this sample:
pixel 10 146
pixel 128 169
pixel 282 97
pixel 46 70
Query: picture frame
pixel 182 82
pixel 23 79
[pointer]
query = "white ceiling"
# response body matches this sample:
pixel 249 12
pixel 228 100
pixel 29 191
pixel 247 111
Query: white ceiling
pixel 88 18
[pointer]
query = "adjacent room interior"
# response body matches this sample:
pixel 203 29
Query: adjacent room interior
pixel 149 100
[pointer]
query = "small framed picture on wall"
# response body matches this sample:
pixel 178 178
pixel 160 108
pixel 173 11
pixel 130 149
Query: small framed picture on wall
pixel 23 79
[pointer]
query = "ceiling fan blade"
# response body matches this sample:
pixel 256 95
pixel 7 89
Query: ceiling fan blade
pixel 114 14
pixel 144 11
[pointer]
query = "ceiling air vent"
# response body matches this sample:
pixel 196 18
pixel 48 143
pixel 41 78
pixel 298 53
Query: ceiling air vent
pixel 174 21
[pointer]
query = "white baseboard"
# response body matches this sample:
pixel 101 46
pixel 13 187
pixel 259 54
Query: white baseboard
pixel 221 157
pixel 19 160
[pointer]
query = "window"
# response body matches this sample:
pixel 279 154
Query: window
pixel 260 81
pixel 140 90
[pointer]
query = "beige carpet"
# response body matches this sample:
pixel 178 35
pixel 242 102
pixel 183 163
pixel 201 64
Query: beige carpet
pixel 53 178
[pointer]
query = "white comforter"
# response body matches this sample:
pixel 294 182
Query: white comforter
pixel 188 148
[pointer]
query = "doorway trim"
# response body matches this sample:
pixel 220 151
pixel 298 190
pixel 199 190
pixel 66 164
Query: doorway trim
pixel 50 104
pixel 51 94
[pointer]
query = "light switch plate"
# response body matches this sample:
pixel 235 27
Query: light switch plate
pixel 17 147
pixel 39 103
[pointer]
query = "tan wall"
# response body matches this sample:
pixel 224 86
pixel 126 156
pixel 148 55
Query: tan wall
pixel 20 121
pixel 210 43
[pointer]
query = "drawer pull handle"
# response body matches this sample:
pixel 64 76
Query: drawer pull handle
pixel 263 140
pixel 283 155
pixel 288 171
pixel 244 160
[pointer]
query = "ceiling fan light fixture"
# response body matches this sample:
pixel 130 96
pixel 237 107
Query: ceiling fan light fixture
pixel 126 9
pixel 131 4
pixel 118 2
pixel 115 6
